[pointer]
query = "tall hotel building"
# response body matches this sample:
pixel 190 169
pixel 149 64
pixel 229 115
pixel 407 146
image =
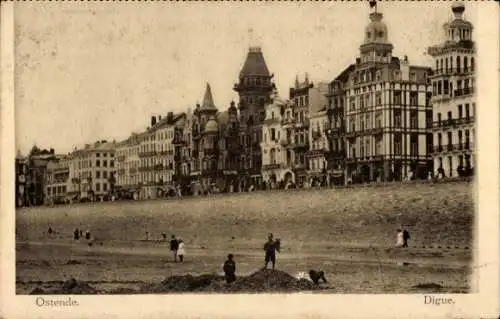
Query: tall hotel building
pixel 453 98
pixel 387 108
pixel 254 89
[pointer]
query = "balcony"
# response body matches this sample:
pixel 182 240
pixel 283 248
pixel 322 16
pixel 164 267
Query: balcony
pixel 299 166
pixel 288 121
pixel 272 166
pixel 170 152
pixel 377 131
pixel 209 151
pixel 452 71
pixel 158 167
pixel 464 91
pixel 147 154
pixel 315 135
pixel 121 158
pixel 351 134
pixel 465 120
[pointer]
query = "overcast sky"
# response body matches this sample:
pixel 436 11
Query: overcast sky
pixel 99 70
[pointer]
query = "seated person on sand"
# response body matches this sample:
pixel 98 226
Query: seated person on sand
pixel 229 269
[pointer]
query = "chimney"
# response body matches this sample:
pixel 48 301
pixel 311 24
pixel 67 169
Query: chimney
pixel 170 117
pixel 153 120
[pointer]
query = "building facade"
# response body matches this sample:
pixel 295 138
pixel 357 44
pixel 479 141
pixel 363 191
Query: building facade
pixel 57 181
pixel 453 98
pixel 127 166
pixel 277 158
pixel 387 111
pixel 254 89
pixel 22 170
pixel 92 171
pixel 318 148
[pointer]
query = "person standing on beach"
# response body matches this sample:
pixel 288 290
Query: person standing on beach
pixel 174 246
pixel 270 247
pixel 406 236
pixel 180 251
pixel 399 238
pixel 76 234
pixel 229 269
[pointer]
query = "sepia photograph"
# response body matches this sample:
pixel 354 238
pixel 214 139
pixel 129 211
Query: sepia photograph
pixel 231 148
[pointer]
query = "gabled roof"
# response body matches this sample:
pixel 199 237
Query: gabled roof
pixel 255 65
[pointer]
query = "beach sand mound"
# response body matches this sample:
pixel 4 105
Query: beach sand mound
pixel 264 280
pixel 69 287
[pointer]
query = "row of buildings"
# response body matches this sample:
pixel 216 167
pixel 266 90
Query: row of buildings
pixel 380 119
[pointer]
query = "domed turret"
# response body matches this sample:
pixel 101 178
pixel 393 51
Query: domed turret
pixel 376 31
pixel 211 126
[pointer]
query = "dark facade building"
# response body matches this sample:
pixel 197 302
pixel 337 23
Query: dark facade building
pixel 254 89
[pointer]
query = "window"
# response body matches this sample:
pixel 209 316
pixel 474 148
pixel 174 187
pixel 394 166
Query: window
pixel 439 88
pixel 378 97
pixel 397 118
pixel 97 163
pixel 467 111
pixel 98 187
pixel 398 144
pixel 450 140
pixel 472 64
pixel 445 87
pixel 440 140
pixel 97 174
pixel 460 137
pixel 459 111
pixel 397 97
pixel 458 64
pixel 111 163
pixel 104 187
pixel 105 174
pixel 414 119
pixel 414 98
pixel 98 154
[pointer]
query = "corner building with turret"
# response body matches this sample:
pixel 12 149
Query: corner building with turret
pixel 453 98
pixel 387 109
pixel 254 89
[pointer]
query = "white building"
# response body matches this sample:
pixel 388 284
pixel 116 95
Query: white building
pixel 318 147
pixel 453 97
pixel 92 169
pixel 276 160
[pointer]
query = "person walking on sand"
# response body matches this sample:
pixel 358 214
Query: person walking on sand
pixel 270 247
pixel 399 238
pixel 229 269
pixel 406 236
pixel 174 246
pixel 76 234
pixel 180 251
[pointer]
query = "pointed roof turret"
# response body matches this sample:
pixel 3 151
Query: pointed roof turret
pixel 208 101
pixel 255 65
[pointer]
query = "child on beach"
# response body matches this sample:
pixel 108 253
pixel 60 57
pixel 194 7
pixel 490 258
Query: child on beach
pixel 180 251
pixel 399 238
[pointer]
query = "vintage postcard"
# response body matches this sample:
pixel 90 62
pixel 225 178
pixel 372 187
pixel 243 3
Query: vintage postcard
pixel 250 159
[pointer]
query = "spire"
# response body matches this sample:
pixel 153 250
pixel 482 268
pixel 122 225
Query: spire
pixel 208 101
pixel 297 81
pixel 255 65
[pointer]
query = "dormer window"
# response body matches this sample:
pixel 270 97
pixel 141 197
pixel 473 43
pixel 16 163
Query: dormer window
pixel 368 35
pixel 381 34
